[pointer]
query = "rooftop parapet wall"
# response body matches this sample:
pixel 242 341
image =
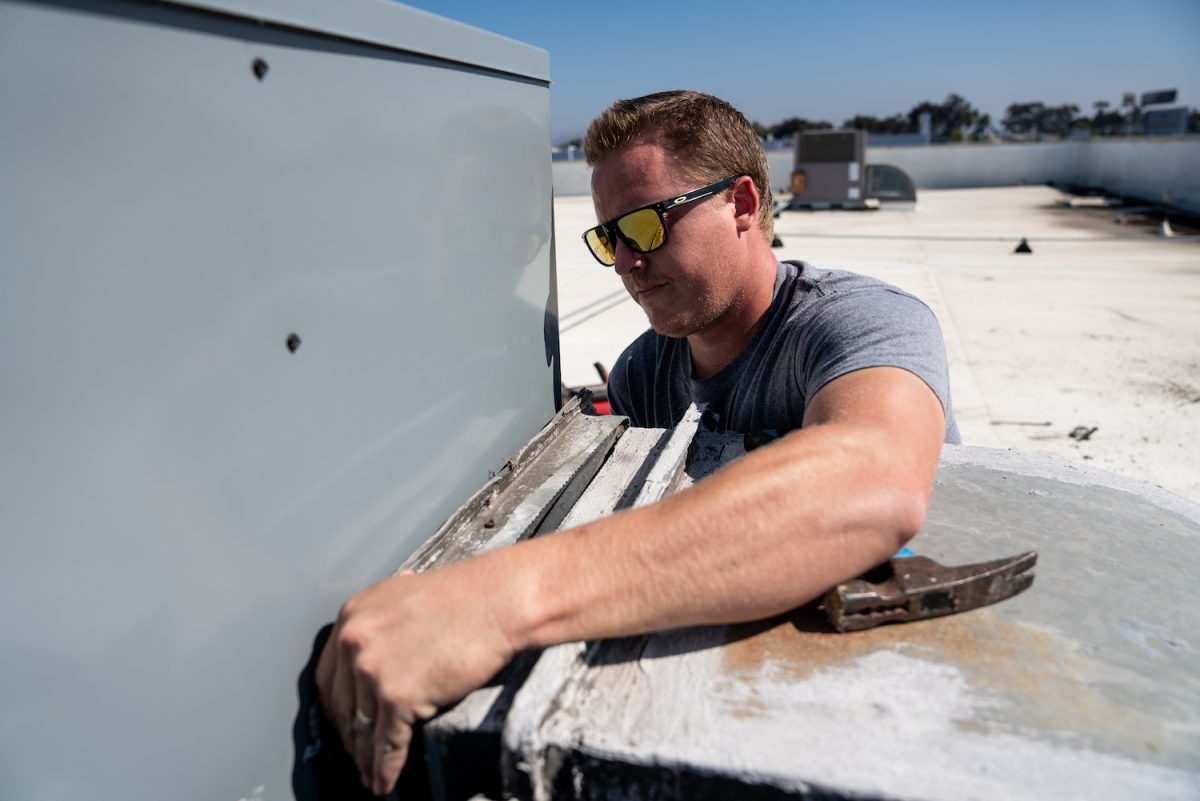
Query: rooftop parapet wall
pixel 963 166
pixel 572 178
pixel 1140 168
pixel 1146 169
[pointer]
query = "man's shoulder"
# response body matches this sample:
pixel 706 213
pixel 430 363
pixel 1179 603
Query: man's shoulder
pixel 822 283
pixel 814 295
pixel 847 322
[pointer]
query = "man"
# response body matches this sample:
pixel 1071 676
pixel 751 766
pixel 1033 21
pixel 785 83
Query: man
pixel 851 373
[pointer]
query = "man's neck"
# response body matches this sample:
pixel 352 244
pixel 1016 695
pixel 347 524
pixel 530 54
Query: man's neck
pixel 719 344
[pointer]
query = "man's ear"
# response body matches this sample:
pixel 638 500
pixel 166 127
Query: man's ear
pixel 745 203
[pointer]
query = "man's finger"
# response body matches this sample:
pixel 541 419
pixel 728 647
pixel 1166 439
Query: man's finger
pixel 363 724
pixel 323 677
pixel 341 695
pixel 392 738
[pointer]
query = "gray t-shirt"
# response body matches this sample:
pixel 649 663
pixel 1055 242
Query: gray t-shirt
pixel 821 325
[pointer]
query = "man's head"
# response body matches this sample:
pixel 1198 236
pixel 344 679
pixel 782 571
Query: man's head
pixel 693 249
pixel 708 138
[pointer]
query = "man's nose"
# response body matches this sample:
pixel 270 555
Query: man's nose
pixel 627 259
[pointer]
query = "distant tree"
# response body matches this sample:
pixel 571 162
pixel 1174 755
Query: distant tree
pixel 1057 120
pixel 794 125
pixel 958 114
pixel 982 125
pixel 1133 113
pixel 862 122
pixel 1022 118
pixel 1106 122
pixel 952 114
pixel 1032 118
pixel 897 123
pixel 914 116
pixel 760 129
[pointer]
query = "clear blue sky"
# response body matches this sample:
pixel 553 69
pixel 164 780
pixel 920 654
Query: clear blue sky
pixel 775 59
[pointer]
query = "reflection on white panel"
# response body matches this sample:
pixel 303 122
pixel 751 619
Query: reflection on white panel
pixel 261 330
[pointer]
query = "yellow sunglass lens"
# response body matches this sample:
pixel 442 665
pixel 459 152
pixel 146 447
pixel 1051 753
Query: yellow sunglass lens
pixel 644 228
pixel 598 241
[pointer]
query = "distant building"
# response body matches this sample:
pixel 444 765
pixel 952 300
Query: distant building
pixel 1166 121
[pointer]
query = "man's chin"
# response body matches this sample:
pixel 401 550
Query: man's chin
pixel 677 327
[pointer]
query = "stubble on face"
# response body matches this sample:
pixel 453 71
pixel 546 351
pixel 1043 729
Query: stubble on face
pixel 683 306
pixel 685 287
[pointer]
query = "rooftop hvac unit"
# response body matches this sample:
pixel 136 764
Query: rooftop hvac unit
pixel 829 172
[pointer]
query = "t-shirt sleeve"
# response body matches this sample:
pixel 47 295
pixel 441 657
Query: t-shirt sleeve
pixel 619 399
pixel 873 327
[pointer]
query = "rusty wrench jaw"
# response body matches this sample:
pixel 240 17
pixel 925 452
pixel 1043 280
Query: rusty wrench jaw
pixel 917 587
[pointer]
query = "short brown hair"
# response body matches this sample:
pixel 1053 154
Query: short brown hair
pixel 711 139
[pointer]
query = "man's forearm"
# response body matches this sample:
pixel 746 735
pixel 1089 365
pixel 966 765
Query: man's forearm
pixel 764 535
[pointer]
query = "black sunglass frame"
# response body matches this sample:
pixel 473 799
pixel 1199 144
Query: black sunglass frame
pixel 611 230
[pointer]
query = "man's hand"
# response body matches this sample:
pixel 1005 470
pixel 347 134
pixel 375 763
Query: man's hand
pixel 400 650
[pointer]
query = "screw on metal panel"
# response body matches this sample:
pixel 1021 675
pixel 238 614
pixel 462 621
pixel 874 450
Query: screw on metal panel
pixel 293 343
pixel 260 68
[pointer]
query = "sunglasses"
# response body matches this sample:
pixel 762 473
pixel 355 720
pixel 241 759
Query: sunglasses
pixel 644 229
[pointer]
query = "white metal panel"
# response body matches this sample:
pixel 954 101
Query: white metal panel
pixel 185 500
pixel 389 24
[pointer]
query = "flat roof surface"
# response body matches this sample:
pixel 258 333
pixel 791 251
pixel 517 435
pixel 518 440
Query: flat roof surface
pixel 1099 327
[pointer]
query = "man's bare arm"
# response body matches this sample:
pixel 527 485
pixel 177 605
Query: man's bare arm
pixel 763 535
pixel 767 533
